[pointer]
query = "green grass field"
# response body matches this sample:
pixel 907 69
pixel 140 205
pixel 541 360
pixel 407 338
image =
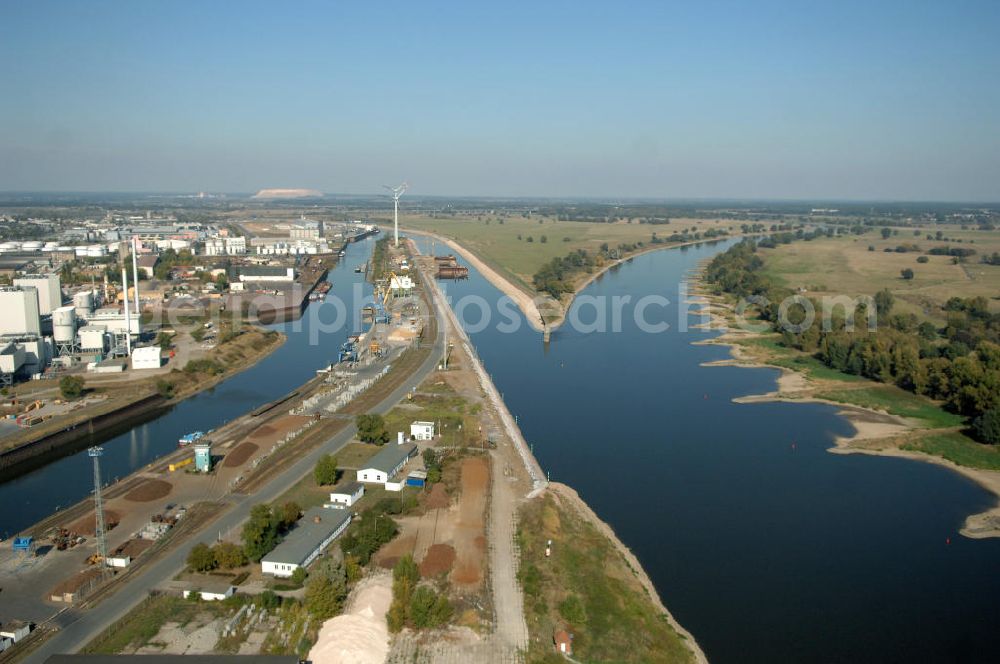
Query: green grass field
pixel 498 244
pixel 958 449
pixel 844 265
pixel 896 402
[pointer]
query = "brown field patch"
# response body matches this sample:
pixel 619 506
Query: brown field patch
pixel 470 530
pixel 77 581
pixel 239 455
pixel 389 555
pixel 439 559
pixel 134 547
pixel 86 525
pixel 438 498
pixel 149 490
pixel 277 429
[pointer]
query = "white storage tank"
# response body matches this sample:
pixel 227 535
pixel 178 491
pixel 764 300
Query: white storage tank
pixel 80 251
pixel 96 251
pixel 84 302
pixel 64 325
pixel 31 245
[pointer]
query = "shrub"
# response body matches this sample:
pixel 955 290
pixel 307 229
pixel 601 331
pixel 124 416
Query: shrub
pixel 987 426
pixel 71 387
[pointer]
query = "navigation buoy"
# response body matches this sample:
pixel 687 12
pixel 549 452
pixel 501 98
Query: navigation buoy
pixel 793 446
pixel 706 397
pixel 947 540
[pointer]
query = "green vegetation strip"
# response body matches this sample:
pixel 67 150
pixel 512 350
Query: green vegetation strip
pixel 587 588
pixel 896 402
pixel 958 449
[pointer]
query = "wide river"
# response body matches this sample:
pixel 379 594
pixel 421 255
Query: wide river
pixel 312 340
pixel 764 545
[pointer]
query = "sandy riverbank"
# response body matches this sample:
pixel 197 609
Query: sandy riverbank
pixel 568 494
pixel 870 426
pixel 524 301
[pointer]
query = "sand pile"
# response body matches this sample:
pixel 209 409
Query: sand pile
pixel 361 635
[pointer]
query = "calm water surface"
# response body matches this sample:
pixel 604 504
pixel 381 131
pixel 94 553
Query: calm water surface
pixel 764 545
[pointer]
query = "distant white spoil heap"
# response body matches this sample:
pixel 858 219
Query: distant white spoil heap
pixel 288 193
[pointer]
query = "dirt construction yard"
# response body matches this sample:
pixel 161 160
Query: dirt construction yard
pixel 449 538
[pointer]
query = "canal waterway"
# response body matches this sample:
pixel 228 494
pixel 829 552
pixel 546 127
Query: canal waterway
pixel 764 545
pixel 312 341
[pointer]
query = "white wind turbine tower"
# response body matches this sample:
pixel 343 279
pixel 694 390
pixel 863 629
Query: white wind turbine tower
pixel 396 193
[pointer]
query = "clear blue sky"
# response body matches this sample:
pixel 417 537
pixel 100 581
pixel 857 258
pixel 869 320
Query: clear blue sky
pixel 797 99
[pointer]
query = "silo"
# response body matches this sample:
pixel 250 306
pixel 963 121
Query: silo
pixel 64 329
pixel 84 302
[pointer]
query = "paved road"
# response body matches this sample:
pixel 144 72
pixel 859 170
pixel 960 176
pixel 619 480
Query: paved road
pixel 77 628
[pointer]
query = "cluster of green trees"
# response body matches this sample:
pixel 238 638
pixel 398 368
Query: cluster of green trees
pixel 326 589
pixel 325 472
pixel 204 558
pixel 169 259
pixel 265 528
pixel 958 364
pixel 413 605
pixel 371 428
pixel 556 276
pixel 434 464
pixel 374 528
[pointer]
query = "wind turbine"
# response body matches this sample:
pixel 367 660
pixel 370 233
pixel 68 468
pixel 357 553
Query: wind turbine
pixel 396 193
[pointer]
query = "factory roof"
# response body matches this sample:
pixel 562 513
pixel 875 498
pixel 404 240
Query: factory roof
pixel 311 530
pixel 147 260
pixel 262 270
pixel 390 457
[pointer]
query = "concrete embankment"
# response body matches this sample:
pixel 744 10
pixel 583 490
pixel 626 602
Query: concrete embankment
pixel 77 435
pixel 531 464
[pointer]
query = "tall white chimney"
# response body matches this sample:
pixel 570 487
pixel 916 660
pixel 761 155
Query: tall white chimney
pixel 128 317
pixel 135 276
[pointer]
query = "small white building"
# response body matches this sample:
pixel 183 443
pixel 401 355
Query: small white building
pixel 211 591
pixel 15 630
pixel 383 466
pixel 347 494
pixel 311 535
pixel 422 431
pixel 147 357
pixel 401 284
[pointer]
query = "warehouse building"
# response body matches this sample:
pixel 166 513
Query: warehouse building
pixel 313 533
pixel 257 273
pixel 382 467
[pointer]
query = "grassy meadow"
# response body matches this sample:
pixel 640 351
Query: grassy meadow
pixel 494 238
pixel 844 265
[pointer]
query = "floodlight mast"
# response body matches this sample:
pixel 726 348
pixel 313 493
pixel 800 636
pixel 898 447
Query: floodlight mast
pixel 396 193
